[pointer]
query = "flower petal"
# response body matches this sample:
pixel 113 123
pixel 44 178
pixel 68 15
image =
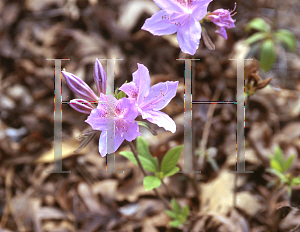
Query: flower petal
pixel 171 93
pixel 157 25
pixel 81 106
pixel 118 140
pixel 161 119
pixel 98 118
pixel 130 89
pixel 188 36
pixel 142 80
pixel 222 32
pixel 126 108
pixel 100 77
pixel 79 87
pixel 200 9
pixel 132 132
pixel 168 5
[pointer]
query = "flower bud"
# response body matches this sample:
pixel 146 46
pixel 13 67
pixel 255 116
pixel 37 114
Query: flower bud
pixel 79 87
pixel 81 106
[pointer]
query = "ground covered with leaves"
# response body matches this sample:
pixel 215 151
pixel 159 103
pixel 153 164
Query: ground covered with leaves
pixel 31 199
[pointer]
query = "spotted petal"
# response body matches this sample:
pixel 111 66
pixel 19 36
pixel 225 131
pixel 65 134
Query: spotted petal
pixel 130 89
pixel 188 36
pixel 157 25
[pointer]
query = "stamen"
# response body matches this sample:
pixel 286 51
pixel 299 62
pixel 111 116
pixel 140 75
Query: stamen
pixel 233 9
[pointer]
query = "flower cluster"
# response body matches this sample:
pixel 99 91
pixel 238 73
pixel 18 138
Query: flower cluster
pixel 142 100
pixel 183 16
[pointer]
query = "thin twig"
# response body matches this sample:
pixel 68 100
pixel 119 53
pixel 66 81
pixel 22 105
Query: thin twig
pixel 135 153
pixel 167 189
pixel 207 125
pixel 235 190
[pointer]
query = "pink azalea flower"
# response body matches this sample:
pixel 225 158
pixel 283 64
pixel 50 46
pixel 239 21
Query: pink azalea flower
pixel 222 18
pixel 125 112
pixel 181 16
pixel 150 100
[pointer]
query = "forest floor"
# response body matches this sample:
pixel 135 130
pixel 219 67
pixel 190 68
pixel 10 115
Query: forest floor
pixel 32 199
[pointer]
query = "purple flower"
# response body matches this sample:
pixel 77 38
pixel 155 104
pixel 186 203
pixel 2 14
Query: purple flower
pixel 181 16
pixel 125 112
pixel 222 18
pixel 150 100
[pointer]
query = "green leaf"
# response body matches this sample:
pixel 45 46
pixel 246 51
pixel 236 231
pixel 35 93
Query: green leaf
pixel 276 165
pixel 171 171
pixel 146 125
pixel 267 55
pixel 143 147
pixel 151 182
pixel 129 155
pixel 171 214
pixel 296 181
pixel 171 158
pixel 176 207
pixel 288 163
pixel 116 93
pixel 287 38
pixel 258 24
pixel 148 164
pixel 256 37
pixel 186 210
pixel 175 223
pixel 277 173
pixel 279 155
pixel 120 95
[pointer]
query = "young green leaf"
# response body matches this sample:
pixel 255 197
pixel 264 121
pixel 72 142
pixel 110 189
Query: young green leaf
pixel 258 24
pixel 267 55
pixel 186 210
pixel 296 181
pixel 279 174
pixel 149 164
pixel 143 147
pixel 279 155
pixel 129 155
pixel 175 223
pixel 151 182
pixel 171 171
pixel 176 207
pixel 276 165
pixel 116 93
pixel 171 158
pixel 287 38
pixel 171 214
pixel 288 163
pixel 120 95
pixel 256 37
